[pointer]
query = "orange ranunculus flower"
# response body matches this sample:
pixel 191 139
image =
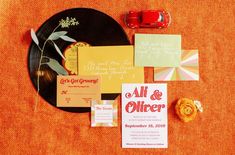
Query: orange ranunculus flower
pixel 186 109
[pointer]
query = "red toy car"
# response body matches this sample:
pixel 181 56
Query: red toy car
pixel 148 19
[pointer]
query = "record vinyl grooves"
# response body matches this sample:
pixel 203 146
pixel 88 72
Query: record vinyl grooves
pixel 94 28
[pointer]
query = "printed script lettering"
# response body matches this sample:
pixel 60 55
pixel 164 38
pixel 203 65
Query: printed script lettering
pixel 141 106
pixel 78 80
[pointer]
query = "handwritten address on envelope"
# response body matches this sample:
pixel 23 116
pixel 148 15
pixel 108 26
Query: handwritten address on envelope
pixel 115 65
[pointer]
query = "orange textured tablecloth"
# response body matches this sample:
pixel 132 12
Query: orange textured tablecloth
pixel 204 25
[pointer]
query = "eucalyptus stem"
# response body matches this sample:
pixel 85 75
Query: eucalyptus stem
pixel 64 23
pixel 39 66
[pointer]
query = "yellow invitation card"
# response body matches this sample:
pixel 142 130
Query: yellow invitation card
pixel 77 91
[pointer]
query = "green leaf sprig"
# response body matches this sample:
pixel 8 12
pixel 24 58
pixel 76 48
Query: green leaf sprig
pixel 52 63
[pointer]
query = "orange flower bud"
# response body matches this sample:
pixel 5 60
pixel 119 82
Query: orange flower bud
pixel 186 109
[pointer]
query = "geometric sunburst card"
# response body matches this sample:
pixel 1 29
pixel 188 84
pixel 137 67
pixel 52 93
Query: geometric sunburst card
pixel 187 71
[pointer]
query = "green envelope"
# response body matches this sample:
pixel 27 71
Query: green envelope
pixel 157 50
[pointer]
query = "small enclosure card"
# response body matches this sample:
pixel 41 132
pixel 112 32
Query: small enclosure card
pixel 115 65
pixel 144 116
pixel 77 91
pixel 104 113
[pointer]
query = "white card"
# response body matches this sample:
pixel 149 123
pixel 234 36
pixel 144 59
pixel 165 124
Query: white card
pixel 104 113
pixel 144 116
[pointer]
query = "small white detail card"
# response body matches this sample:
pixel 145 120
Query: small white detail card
pixel 144 116
pixel 104 113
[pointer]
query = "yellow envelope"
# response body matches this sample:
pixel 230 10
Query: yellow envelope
pixel 115 65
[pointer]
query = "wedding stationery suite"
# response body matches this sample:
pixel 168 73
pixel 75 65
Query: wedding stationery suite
pixel 188 69
pixel 77 91
pixel 144 116
pixel 157 50
pixel 115 64
pixel 104 113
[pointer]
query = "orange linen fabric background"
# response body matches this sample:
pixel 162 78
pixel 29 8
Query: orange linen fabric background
pixel 204 25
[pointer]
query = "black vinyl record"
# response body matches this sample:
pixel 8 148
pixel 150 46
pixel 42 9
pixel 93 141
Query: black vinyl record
pixel 94 28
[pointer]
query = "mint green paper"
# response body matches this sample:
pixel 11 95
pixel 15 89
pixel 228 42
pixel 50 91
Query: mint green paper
pixel 157 50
